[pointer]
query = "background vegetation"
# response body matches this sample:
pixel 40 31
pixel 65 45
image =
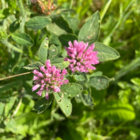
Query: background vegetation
pixel 109 119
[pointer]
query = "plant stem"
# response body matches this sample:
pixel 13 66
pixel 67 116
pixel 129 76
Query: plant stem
pixel 105 9
pixel 17 108
pixel 3 4
pixel 23 15
pixel 9 77
pixel 71 3
pixel 9 45
pixel 116 129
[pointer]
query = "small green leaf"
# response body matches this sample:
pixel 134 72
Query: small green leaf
pixel 87 99
pixel 43 51
pixel 52 51
pixel 59 63
pixel 73 23
pixel 14 26
pixel 22 39
pixel 106 53
pixel 2 16
pixel 58 117
pixel 79 77
pixel 11 125
pixel 9 45
pixel 33 66
pixel 115 110
pixel 38 22
pixel 9 105
pixel 136 81
pixel 71 89
pixel 55 29
pixel 63 24
pixel 90 30
pixel 62 65
pixel 94 74
pixel 43 104
pixel 64 39
pixel 57 60
pixel 99 82
pixel 64 103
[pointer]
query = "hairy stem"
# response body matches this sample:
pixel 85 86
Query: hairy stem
pixel 9 77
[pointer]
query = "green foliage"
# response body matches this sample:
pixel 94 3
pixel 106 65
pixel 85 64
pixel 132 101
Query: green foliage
pixel 106 53
pixel 99 82
pixel 92 106
pixel 42 104
pixel 22 39
pixel 90 30
pixel 64 103
pixel 64 39
pixel 43 51
pixel 115 110
pixel 79 77
pixel 87 99
pixel 37 23
pixel 71 90
pixel 52 51
pixel 59 62
pixel 33 66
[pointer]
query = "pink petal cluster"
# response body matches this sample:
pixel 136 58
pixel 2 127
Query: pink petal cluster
pixel 81 57
pixel 48 79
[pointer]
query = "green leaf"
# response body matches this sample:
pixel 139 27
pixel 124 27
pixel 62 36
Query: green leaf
pixel 115 110
pixel 136 81
pixel 59 63
pixel 60 11
pixel 58 117
pixel 33 66
pixel 11 125
pixel 64 103
pixel 99 82
pixel 14 26
pixel 59 26
pixel 43 51
pixel 43 104
pixel 52 51
pixel 9 106
pixel 2 106
pixel 87 99
pixel 64 39
pixel 79 77
pixel 22 39
pixel 106 53
pixel 6 87
pixel 132 65
pixel 38 22
pixel 55 29
pixel 63 24
pixel 94 74
pixel 2 16
pixel 10 46
pixel 71 89
pixel 73 23
pixel 53 39
pixel 90 30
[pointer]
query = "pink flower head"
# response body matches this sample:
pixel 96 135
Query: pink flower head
pixel 48 78
pixel 81 57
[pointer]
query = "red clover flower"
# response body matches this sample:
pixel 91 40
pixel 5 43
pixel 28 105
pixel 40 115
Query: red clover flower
pixel 49 79
pixel 81 57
